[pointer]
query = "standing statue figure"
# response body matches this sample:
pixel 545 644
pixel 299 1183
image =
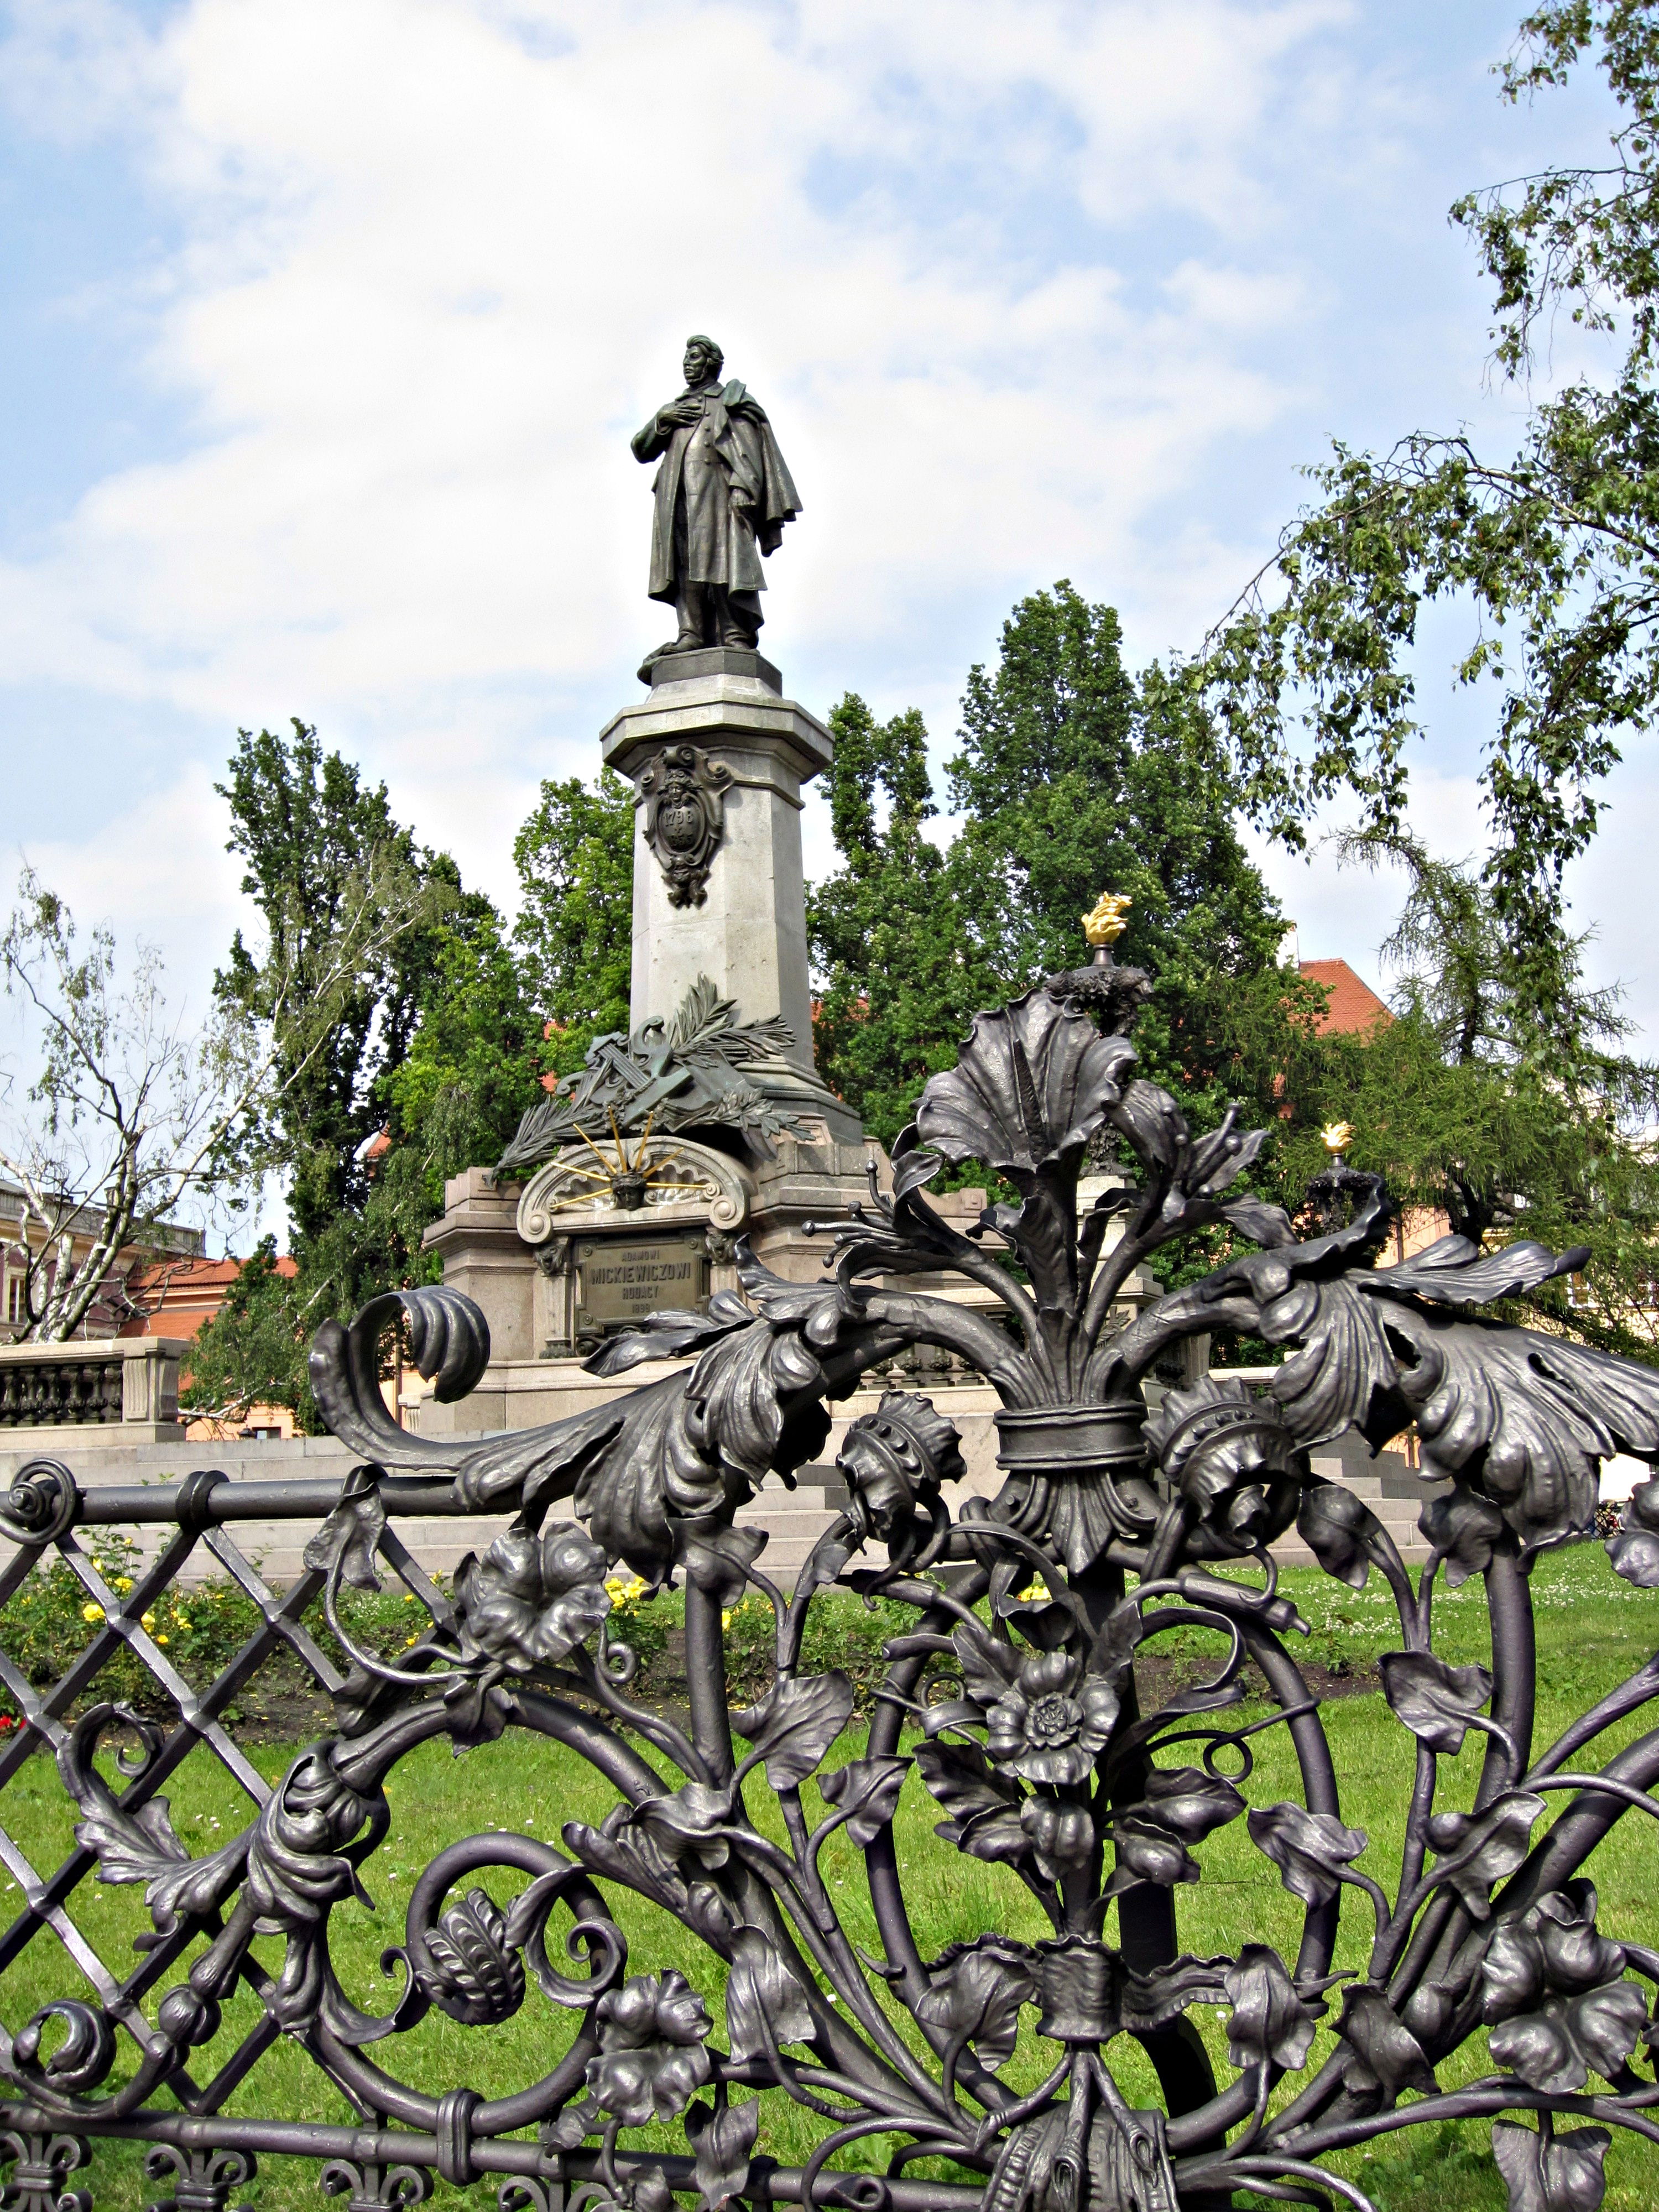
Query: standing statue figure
pixel 723 494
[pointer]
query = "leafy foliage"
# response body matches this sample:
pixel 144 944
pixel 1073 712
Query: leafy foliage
pixel 1507 1088
pixel 1073 777
pixel 347 902
pixel 901 985
pixel 198 1628
pixel 409 1027
pixel 477 1056
pixel 252 1352
pixel 574 856
pixel 1554 551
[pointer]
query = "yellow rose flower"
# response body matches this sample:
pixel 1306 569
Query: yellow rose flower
pixel 92 1613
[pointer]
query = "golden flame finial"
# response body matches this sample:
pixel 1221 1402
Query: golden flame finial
pixel 1108 918
pixel 1338 1136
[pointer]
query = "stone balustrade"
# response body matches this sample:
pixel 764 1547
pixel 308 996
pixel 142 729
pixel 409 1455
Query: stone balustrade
pixel 120 1388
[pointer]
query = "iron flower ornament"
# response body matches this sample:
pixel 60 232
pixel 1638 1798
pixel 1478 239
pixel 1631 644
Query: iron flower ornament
pixel 1019 1701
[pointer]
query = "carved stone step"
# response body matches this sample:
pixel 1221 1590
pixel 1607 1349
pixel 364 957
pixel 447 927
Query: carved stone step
pixel 785 1520
pixel 820 1497
pixel 820 1480
pixel 784 1558
pixel 791 1513
pixel 1403 1489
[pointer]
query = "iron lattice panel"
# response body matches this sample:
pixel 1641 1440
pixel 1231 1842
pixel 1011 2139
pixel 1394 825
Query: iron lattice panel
pixel 199 1721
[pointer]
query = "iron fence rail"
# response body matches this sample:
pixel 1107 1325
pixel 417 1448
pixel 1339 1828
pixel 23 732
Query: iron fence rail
pixel 300 1498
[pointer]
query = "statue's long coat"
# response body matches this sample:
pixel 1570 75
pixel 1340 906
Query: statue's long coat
pixel 738 495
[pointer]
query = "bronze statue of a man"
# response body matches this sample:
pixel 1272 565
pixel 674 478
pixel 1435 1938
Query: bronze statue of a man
pixel 723 494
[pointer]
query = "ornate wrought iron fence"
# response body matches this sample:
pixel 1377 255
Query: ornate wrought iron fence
pixel 1017 1699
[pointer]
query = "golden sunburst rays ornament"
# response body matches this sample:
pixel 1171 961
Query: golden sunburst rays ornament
pixel 1107 919
pixel 627 1177
pixel 1336 1137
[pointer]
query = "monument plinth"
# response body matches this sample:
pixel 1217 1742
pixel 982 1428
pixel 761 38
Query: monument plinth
pixel 625 1191
pixel 717 758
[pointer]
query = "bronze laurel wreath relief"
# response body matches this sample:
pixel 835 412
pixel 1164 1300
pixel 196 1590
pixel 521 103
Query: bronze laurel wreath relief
pixel 1020 1697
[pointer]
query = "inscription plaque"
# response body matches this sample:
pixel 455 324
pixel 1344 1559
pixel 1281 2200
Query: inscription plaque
pixel 624 1282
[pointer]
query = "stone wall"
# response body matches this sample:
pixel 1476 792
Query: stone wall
pixel 794 1519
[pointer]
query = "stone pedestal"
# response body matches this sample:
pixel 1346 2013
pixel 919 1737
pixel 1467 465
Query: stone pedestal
pixel 485 1258
pixel 745 925
pixel 605 1231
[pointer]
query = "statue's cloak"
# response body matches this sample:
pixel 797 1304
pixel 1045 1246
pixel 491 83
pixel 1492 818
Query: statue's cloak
pixel 729 522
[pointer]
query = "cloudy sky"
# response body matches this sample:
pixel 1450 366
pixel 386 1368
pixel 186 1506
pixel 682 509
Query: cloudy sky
pixel 329 321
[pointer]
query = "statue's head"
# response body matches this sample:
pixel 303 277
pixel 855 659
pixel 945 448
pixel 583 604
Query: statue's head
pixel 703 359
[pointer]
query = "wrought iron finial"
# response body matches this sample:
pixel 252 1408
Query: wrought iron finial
pixel 1107 919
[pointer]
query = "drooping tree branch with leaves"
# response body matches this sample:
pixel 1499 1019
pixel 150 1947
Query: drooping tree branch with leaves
pixel 348 905
pixel 1549 554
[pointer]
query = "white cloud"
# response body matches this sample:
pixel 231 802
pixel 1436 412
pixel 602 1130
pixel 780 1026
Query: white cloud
pixel 1018 279
pixel 129 873
pixel 432 278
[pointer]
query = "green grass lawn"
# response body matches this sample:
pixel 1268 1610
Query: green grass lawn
pixel 1592 1630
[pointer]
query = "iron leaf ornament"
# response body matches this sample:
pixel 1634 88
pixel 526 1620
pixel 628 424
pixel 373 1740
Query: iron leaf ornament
pixel 1018 1704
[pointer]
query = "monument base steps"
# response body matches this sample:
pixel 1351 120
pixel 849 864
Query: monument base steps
pixel 794 1519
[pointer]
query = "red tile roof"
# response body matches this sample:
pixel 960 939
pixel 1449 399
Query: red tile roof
pixel 187 1293
pixel 1352 1005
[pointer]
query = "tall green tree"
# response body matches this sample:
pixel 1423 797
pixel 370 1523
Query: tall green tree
pixel 1508 1091
pixel 1072 778
pixel 408 1027
pixel 575 933
pixel 1453 1105
pixel 348 905
pixel 252 1352
pixel 1548 552
pixel 899 984
pixel 475 1062
pixel 472 1063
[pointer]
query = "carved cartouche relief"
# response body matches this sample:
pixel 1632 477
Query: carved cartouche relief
pixel 684 796
pixel 670 1181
